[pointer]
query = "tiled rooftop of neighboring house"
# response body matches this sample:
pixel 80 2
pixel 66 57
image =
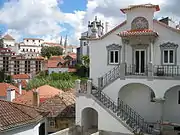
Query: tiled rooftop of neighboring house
pixel 13 115
pixel 72 55
pixel 8 37
pixel 5 86
pixel 62 105
pixel 54 61
pixel 21 76
pixel 45 92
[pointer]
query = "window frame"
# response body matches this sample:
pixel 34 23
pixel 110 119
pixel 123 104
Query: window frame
pixel 114 57
pixel 50 123
pixel 168 63
pixel 113 48
pixel 168 46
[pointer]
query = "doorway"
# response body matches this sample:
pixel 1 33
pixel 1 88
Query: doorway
pixel 140 60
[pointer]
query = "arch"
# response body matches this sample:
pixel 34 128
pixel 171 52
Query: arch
pixel 140 98
pixel 89 119
pixel 172 102
pixel 152 93
pixel 139 23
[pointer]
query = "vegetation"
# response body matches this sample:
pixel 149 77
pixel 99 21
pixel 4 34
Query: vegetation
pixel 4 77
pixel 51 51
pixel 83 68
pixel 62 81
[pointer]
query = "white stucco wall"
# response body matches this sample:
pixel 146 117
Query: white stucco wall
pixel 8 43
pixel 105 120
pixel 26 130
pixel 57 70
pixel 37 42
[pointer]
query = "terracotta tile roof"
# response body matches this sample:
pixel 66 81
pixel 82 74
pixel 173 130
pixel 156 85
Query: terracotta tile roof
pixel 3 89
pixel 45 92
pixel 140 6
pixel 54 61
pixel 33 39
pixel 145 32
pixel 8 37
pixel 62 105
pixel 21 76
pixel 53 44
pixel 72 55
pixel 13 115
pixel 23 83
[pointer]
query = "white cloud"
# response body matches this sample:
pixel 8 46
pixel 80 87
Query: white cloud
pixel 42 17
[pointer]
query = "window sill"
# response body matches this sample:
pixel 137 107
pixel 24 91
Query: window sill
pixel 112 64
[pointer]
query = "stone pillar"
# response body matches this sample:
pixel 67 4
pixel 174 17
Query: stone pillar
pixel 89 86
pixel 150 64
pixel 123 61
pixel 99 82
pixel 77 85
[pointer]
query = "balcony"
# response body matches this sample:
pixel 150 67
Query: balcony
pixel 157 71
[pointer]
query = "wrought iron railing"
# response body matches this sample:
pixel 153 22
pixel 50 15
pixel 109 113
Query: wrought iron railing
pixel 125 112
pixel 166 70
pixel 109 77
pixel 134 70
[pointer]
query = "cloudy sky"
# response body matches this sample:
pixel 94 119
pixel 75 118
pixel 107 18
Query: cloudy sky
pixel 49 19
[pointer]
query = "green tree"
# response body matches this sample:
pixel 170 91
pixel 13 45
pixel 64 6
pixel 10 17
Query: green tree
pixel 85 61
pixel 51 51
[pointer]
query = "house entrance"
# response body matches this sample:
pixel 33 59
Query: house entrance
pixel 140 61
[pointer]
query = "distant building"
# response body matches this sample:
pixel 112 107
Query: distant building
pixel 19 64
pixel 18 119
pixel 95 30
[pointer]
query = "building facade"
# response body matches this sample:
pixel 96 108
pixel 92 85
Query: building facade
pixel 136 77
pixel 18 64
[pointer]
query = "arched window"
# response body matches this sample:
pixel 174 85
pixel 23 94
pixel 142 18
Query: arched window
pixel 139 23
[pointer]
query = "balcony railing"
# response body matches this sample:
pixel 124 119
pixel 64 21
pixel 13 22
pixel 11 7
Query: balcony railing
pixel 135 70
pixel 168 70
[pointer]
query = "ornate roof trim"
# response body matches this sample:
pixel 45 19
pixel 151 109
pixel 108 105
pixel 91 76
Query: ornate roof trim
pixel 113 47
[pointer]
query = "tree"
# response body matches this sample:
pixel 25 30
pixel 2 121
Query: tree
pixel 51 51
pixel 85 61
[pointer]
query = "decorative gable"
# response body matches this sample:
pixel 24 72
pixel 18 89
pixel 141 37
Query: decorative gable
pixel 113 47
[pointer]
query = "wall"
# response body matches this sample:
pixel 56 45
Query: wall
pixel 9 43
pixel 105 120
pixel 26 130
pixel 75 130
pixel 31 42
pixel 57 70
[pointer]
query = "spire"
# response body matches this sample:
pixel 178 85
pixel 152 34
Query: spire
pixel 61 41
pixel 65 42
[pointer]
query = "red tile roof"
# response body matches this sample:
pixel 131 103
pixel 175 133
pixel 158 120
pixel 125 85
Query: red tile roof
pixel 72 70
pixel 72 55
pixel 5 86
pixel 13 115
pixel 141 6
pixel 8 37
pixel 62 105
pixel 145 32
pixel 45 92
pixel 54 61
pixel 21 76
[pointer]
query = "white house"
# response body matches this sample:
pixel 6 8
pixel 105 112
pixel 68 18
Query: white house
pixel 18 119
pixel 31 47
pixel 135 70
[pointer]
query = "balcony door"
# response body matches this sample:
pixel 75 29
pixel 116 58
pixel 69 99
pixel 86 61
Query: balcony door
pixel 140 60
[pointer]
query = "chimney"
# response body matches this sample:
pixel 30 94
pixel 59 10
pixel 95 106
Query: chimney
pixel 10 94
pixel 106 30
pixel 36 97
pixel 19 86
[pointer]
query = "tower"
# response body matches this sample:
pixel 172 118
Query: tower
pixel 65 45
pixel 61 41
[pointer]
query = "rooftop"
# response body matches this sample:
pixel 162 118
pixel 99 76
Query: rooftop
pixel 14 115
pixel 8 37
pixel 21 76
pixel 62 105
pixel 45 92
pixel 5 86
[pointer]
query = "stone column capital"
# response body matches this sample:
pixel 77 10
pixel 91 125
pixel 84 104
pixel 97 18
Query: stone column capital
pixel 125 41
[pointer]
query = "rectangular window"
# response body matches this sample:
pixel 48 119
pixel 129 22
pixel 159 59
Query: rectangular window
pixel 113 57
pixel 168 57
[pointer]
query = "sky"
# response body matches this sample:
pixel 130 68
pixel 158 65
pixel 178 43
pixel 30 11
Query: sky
pixel 51 19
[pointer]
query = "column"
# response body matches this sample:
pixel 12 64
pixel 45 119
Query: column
pixel 89 86
pixel 77 85
pixel 150 64
pixel 125 42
